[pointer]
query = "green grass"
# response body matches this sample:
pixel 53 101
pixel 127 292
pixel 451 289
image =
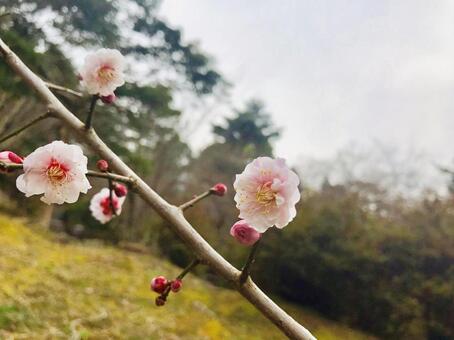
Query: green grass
pixel 51 290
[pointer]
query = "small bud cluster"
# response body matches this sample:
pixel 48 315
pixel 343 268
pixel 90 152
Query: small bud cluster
pixel 163 287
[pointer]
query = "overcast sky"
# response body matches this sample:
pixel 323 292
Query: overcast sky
pixel 332 72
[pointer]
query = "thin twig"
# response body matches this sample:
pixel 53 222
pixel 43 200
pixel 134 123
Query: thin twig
pixel 188 268
pixel 193 201
pixel 26 126
pixel 63 89
pixel 114 177
pixel 5 14
pixel 93 101
pixel 111 202
pixel 245 272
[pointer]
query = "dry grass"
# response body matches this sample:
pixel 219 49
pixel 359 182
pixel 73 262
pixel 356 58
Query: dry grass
pixel 50 290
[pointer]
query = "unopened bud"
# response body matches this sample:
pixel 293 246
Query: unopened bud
pixel 159 284
pixel 109 99
pixel 176 285
pixel 120 190
pixel 219 189
pixel 102 165
pixel 160 301
pixel 8 157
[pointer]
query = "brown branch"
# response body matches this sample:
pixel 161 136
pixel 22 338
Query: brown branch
pixel 193 201
pixel 111 176
pixel 172 214
pixel 245 272
pixel 188 268
pixel 26 126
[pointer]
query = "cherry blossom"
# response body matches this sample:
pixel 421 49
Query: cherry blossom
pixel 57 170
pixel 103 72
pixel 266 193
pixel 101 206
pixel 244 233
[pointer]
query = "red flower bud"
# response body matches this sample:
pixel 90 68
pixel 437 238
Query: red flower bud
pixel 108 99
pixel 219 189
pixel 15 158
pixel 159 284
pixel 120 190
pixel 102 165
pixel 160 301
pixel 176 285
pixel 8 157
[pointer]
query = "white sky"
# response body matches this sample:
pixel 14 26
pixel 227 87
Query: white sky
pixel 333 72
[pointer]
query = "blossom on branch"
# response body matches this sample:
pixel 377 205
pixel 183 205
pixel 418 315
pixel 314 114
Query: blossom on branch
pixel 266 193
pixel 244 233
pixel 103 72
pixel 57 170
pixel 101 205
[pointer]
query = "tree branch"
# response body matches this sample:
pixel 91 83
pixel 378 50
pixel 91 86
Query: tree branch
pixel 172 214
pixel 63 89
pixel 91 111
pixel 26 126
pixel 247 266
pixel 188 268
pixel 193 201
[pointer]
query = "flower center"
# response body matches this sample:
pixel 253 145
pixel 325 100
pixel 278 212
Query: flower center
pixel 56 172
pixel 106 74
pixel 107 206
pixel 265 195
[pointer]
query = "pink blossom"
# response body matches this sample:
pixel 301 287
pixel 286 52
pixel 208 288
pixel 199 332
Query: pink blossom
pixel 101 207
pixel 266 193
pixel 244 233
pixel 57 170
pixel 103 72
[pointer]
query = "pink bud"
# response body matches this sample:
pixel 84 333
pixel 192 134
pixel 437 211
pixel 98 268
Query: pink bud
pixel 160 301
pixel 219 189
pixel 159 284
pixel 244 233
pixel 102 165
pixel 9 157
pixel 120 190
pixel 176 285
pixel 15 158
pixel 108 99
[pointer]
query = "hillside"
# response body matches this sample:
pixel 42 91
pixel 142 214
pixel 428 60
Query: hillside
pixel 51 289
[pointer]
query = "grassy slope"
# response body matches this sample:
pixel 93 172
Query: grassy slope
pixel 89 291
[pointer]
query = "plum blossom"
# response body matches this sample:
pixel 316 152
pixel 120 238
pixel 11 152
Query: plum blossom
pixel 266 193
pixel 9 157
pixel 103 72
pixel 57 170
pixel 101 207
pixel 244 233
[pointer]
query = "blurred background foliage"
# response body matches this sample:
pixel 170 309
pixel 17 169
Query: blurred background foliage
pixel 383 263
